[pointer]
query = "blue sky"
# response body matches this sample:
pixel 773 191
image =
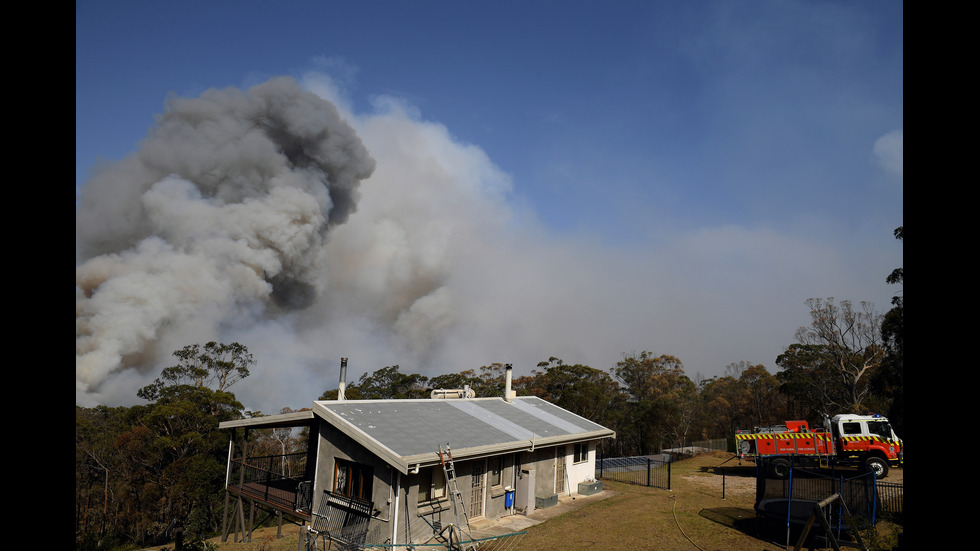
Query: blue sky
pixel 693 138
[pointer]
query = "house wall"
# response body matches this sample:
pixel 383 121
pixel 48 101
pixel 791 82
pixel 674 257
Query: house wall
pixel 542 463
pixel 332 445
pixel 583 470
pixel 414 520
pixel 493 498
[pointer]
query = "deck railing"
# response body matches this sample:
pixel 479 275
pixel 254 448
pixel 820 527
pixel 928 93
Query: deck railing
pixel 280 480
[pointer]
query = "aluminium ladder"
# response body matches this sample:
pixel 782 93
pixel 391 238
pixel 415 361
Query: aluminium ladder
pixel 449 468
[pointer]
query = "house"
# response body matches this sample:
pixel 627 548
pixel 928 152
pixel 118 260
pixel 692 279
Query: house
pixel 379 464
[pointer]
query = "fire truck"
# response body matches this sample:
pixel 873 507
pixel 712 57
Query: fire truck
pixel 863 441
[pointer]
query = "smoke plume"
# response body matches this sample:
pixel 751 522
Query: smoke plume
pixel 235 221
pixel 219 219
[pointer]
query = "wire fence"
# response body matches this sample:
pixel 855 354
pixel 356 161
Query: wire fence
pixel 644 470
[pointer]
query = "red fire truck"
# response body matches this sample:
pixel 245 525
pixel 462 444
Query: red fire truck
pixel 863 441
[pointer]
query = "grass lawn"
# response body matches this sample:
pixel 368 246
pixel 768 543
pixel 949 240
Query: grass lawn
pixel 643 518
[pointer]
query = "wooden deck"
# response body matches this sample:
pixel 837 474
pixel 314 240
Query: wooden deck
pixel 279 497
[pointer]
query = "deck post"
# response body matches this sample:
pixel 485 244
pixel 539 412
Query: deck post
pixel 224 520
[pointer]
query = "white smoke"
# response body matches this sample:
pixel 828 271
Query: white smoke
pixel 218 219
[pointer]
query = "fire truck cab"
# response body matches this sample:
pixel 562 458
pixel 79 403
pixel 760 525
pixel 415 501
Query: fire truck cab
pixel 862 425
pixel 868 439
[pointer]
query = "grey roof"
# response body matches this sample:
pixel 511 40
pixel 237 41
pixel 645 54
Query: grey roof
pixel 406 433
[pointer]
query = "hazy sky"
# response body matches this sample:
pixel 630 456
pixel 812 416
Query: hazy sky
pixel 570 179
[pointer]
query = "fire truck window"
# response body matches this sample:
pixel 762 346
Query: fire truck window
pixel 880 428
pixel 852 428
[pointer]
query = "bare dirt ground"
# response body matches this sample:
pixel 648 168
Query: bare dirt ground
pixel 895 475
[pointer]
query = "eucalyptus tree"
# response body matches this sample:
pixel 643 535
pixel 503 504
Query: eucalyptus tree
pixel 836 355
pixel 661 400
pixel 175 439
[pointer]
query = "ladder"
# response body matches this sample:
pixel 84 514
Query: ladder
pixel 449 468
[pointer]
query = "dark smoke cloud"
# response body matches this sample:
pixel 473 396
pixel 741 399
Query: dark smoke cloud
pixel 221 214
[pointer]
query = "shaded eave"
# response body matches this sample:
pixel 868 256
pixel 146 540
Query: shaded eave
pixel 295 419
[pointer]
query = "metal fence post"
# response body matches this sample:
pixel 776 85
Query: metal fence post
pixel 648 471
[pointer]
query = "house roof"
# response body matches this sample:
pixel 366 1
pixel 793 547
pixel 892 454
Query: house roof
pixel 408 433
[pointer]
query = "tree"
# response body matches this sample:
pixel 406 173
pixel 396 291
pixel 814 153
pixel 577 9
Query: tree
pixel 891 382
pixel 99 477
pixel 846 342
pixel 176 440
pixel 661 399
pixel 216 366
pixel 747 396
pixel 583 390
pixel 465 378
pixel 892 328
pixel 808 382
pixel 388 383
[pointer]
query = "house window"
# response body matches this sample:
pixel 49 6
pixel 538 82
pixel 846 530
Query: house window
pixel 353 479
pixel 496 471
pixel 581 452
pixel 432 485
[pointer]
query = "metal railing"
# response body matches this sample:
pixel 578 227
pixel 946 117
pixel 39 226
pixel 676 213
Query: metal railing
pixel 342 519
pixel 277 479
pixel 862 494
pixel 891 498
pixel 641 470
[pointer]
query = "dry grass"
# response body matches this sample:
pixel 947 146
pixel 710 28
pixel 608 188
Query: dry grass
pixel 643 518
pixel 693 515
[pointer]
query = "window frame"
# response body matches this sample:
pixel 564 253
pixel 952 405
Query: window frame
pixel 436 486
pixel 495 471
pixel 852 428
pixel 352 474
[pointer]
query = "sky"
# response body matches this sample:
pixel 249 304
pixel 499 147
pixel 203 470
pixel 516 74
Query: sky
pixel 479 182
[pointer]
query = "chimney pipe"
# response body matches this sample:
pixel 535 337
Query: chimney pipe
pixel 507 391
pixel 343 379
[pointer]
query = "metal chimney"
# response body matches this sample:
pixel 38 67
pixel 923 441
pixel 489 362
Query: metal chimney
pixel 507 391
pixel 342 386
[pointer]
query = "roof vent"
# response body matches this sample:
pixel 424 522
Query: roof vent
pixel 452 393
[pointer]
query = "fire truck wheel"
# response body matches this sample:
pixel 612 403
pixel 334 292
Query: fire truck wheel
pixel 877 466
pixel 780 468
